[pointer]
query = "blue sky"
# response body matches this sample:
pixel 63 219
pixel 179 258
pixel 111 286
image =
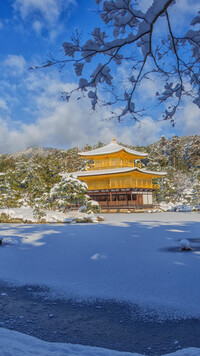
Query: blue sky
pixel 31 112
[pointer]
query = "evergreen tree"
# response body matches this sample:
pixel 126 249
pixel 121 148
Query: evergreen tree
pixel 69 192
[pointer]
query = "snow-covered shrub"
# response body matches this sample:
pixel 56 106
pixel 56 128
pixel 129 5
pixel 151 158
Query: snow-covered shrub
pixel 82 209
pixel 38 212
pixel 100 218
pixel 182 208
pixel 93 206
pixel 86 219
pixel 69 192
pixel 4 218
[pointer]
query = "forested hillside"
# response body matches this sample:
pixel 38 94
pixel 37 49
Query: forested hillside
pixel 26 177
pixel 180 158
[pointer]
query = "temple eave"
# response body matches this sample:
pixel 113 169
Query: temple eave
pixel 118 171
pixel 89 155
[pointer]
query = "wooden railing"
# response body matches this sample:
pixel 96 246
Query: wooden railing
pixel 124 204
pixel 114 185
pixel 93 167
pixel 138 165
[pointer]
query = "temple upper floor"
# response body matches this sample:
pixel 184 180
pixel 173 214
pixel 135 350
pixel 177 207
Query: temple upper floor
pixel 112 155
pixel 112 162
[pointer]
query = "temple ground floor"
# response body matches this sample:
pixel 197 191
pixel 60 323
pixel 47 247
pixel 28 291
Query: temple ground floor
pixel 123 198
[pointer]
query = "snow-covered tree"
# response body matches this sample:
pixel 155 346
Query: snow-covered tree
pixel 195 199
pixel 175 150
pixel 193 152
pixel 70 191
pixel 148 45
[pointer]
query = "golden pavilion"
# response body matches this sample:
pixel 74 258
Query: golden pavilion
pixel 115 179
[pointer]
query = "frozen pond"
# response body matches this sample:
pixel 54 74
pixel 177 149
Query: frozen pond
pixel 121 284
pixel 107 324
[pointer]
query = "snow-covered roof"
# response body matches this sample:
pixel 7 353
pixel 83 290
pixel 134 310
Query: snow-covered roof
pixel 112 147
pixel 116 171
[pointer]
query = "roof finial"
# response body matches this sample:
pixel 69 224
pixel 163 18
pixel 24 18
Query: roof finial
pixel 113 141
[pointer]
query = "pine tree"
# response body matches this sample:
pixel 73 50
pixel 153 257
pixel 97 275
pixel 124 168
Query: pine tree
pixel 69 192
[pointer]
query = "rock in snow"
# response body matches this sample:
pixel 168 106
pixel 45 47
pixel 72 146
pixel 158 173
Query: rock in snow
pixel 185 245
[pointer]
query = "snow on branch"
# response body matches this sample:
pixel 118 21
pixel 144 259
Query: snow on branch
pixel 131 38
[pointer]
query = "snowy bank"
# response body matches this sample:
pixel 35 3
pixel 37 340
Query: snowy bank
pixel 17 344
pixel 14 343
pixel 28 215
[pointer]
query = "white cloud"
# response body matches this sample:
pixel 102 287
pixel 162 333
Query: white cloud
pixel 16 64
pixel 42 13
pixel 71 124
pixel 49 9
pixel 37 25
pixel 188 119
pixel 142 133
pixel 3 104
pixel 68 125
pixel 51 122
pixel 61 124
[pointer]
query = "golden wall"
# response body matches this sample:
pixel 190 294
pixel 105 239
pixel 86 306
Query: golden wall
pixel 135 180
pixel 118 160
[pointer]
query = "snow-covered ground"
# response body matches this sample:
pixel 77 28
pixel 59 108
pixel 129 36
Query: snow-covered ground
pixel 17 344
pixel 127 257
